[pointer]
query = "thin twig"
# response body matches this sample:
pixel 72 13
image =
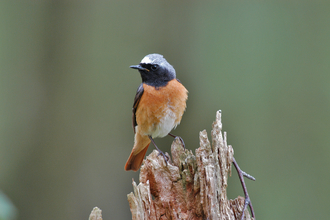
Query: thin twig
pixel 241 175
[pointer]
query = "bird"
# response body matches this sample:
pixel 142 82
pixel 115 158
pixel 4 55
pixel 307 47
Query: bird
pixel 159 104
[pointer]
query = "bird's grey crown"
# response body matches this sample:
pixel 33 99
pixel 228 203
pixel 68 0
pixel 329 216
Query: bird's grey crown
pixel 160 60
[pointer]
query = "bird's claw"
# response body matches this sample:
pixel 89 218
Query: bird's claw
pixel 164 156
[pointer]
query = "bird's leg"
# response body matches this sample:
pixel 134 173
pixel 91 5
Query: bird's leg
pixel 241 175
pixel 182 142
pixel 160 152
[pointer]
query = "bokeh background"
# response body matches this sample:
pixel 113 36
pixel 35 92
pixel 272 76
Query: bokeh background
pixel 66 93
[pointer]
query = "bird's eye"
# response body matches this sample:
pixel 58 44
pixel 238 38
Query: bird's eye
pixel 154 67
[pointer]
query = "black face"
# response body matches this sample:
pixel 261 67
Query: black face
pixel 155 74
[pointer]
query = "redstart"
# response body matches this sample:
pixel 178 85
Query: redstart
pixel 158 106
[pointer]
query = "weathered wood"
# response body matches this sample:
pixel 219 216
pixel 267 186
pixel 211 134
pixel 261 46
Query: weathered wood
pixel 96 214
pixel 188 187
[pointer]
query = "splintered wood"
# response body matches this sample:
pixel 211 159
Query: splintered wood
pixel 96 214
pixel 188 187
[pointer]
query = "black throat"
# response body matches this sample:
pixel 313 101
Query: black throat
pixel 155 80
pixel 157 83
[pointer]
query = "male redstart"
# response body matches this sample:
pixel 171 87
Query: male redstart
pixel 158 106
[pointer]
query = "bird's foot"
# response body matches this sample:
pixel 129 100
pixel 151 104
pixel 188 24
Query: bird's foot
pixel 164 155
pixel 181 140
pixel 160 152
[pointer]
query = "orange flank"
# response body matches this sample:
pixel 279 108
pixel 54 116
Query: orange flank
pixel 158 112
pixel 155 103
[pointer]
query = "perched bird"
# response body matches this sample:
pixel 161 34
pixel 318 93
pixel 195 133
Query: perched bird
pixel 158 106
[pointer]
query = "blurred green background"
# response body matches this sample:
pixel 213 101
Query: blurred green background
pixel 66 93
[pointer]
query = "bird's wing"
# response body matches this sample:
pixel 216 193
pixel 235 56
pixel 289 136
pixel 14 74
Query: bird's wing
pixel 178 80
pixel 137 99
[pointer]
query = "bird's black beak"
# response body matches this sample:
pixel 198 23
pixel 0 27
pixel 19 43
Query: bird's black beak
pixel 138 67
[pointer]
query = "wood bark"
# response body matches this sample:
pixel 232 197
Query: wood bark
pixel 189 186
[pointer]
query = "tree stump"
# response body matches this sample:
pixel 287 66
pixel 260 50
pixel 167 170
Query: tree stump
pixel 188 187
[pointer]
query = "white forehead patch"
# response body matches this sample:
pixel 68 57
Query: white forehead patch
pixel 146 59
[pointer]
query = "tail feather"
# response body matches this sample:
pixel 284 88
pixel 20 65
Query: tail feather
pixel 135 160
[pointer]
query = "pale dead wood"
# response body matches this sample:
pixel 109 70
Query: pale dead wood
pixel 189 186
pixel 96 214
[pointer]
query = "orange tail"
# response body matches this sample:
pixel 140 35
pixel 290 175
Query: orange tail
pixel 135 160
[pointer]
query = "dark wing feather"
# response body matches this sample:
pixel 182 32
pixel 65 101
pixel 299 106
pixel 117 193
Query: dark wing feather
pixel 137 99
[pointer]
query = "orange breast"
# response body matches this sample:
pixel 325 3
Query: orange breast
pixel 160 108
